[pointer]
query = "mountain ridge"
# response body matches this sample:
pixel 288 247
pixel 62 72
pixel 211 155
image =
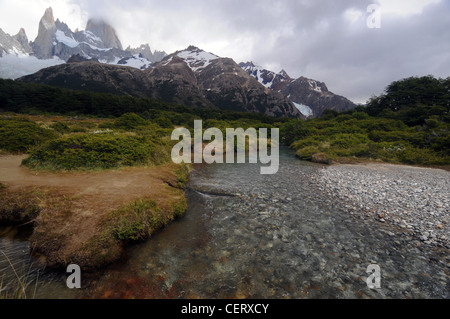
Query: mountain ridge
pixel 311 97
pixel 206 81
pixel 191 76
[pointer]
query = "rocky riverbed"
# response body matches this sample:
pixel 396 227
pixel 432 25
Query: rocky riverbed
pixel 310 231
pixel 412 198
pixel 288 235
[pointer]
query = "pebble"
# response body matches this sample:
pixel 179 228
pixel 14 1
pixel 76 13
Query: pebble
pixel 405 196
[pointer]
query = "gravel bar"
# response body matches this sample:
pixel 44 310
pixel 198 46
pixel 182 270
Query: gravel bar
pixel 412 198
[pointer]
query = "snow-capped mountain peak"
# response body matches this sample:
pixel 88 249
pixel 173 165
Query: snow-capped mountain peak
pixel 48 20
pixel 57 43
pixel 103 32
pixel 310 97
pixel 195 58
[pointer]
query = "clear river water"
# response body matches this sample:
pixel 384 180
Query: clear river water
pixel 247 235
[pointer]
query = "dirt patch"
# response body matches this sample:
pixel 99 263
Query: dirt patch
pixel 76 206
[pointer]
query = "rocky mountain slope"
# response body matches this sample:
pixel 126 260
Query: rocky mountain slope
pixel 192 77
pixel 17 44
pixel 311 97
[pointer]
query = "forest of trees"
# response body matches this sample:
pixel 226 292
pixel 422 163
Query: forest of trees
pixel 27 98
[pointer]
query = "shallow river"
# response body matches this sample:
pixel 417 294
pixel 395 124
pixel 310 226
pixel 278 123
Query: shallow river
pixel 247 235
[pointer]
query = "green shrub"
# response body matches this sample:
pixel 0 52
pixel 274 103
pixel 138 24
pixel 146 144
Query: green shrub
pixel 307 153
pixel 343 118
pixel 20 135
pixel 348 140
pixel 393 136
pixel 358 150
pixel 129 122
pixel 359 135
pixel 360 115
pixel 107 125
pixel 164 122
pixel 94 151
pixel 78 129
pixel 310 141
pixel 60 128
pixel 412 155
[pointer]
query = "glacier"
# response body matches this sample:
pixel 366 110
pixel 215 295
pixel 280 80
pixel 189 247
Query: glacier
pixel 304 109
pixel 13 66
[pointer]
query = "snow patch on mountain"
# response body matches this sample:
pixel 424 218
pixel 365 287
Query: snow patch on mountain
pixel 14 67
pixel 17 52
pixel 167 61
pixel 262 75
pixel 136 61
pixel 63 38
pixel 92 37
pixel 267 79
pixel 69 41
pixel 313 84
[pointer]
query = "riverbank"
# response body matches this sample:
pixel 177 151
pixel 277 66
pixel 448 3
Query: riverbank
pixel 414 199
pixel 88 218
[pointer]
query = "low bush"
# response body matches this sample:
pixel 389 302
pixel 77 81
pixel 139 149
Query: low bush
pixel 60 127
pixel 129 122
pixel 20 135
pixel 97 151
pixel 353 135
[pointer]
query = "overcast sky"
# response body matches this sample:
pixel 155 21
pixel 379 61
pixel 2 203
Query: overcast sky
pixel 326 40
